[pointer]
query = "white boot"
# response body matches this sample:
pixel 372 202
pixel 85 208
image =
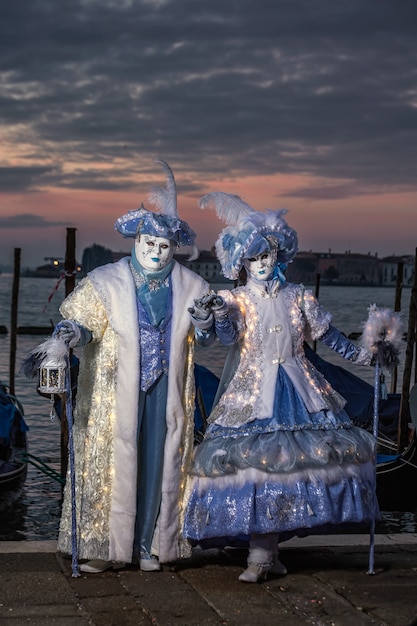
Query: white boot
pixel 149 564
pixel 260 558
pixel 255 572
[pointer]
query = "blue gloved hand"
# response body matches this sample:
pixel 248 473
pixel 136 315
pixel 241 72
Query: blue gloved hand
pixel 68 331
pixel 338 342
pixel 219 307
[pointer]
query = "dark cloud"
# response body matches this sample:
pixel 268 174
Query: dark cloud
pixel 321 88
pixel 27 177
pixel 28 220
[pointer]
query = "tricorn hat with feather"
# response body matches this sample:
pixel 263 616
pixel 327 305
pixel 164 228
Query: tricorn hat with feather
pixel 161 223
pixel 249 232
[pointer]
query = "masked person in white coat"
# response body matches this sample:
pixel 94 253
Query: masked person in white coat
pixel 133 419
pixel 280 455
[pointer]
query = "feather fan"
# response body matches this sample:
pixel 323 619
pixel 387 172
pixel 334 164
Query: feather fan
pixel 165 198
pixel 230 208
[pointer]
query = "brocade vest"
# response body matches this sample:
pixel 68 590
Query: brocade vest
pixel 155 344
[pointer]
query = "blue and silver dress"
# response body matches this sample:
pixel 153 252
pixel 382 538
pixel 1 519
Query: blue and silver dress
pixel 280 454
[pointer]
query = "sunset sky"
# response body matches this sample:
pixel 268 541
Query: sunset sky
pixel 309 105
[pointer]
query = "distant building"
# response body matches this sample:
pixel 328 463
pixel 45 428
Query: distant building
pixel 390 266
pixel 350 269
pixel 54 269
pixel 49 270
pixel 304 268
pixel 334 268
pixel 95 256
pixel 206 265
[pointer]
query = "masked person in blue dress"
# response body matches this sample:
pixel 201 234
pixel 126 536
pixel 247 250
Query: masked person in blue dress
pixel 280 456
pixel 134 413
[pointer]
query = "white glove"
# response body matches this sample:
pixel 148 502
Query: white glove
pixel 201 315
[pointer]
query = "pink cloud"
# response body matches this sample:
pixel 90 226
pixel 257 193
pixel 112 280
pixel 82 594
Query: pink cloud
pixel 379 223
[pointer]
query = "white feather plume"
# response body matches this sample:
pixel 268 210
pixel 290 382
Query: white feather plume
pixel 52 350
pixel 382 335
pixel 229 208
pixel 165 198
pixel 195 253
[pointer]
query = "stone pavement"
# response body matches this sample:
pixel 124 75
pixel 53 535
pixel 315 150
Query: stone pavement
pixel 328 584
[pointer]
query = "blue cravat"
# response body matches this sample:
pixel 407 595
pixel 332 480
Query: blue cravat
pixel 152 289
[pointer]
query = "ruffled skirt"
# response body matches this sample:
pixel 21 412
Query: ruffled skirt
pixel 291 474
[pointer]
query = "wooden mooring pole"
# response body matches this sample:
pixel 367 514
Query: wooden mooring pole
pixel 70 261
pixel 397 308
pixel 405 417
pixel 13 321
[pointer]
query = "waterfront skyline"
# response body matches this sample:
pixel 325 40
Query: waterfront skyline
pixel 307 106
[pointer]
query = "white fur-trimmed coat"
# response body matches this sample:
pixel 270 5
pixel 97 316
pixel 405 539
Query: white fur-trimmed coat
pixel 105 417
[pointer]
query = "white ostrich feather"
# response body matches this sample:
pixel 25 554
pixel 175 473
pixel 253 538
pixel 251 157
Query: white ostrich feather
pixel 195 253
pixel 276 217
pixel 52 350
pixel 382 325
pixel 229 207
pixel 382 335
pixel 165 198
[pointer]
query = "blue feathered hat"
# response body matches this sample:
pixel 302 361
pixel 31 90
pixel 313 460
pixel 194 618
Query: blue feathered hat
pixel 249 232
pixel 165 222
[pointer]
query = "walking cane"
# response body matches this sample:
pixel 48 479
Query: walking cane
pixel 70 421
pixel 375 424
pixel 382 336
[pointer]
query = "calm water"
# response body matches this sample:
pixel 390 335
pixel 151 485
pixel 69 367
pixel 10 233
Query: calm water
pixel 36 516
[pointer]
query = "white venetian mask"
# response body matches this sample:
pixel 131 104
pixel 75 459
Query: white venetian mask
pixel 154 253
pixel 262 266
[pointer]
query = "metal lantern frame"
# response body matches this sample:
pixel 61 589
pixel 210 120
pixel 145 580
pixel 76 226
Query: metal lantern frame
pixel 52 377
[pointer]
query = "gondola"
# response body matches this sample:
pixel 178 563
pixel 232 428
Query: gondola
pixel 13 448
pixel 396 476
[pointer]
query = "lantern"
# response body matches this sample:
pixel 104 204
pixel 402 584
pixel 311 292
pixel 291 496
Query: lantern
pixel 52 370
pixel 51 377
